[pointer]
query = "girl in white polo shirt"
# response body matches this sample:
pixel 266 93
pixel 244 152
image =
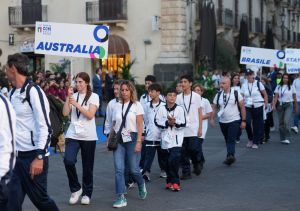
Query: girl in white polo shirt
pixel 285 96
pixel 81 135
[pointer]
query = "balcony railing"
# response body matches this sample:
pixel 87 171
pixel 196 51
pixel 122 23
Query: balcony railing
pixel 27 16
pixel 106 11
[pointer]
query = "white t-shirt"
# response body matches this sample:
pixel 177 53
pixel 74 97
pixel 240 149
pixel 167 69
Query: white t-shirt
pixel 231 111
pixel 205 110
pixel 296 85
pixel 285 95
pixel 252 94
pixel 237 88
pixel 130 123
pixel 190 104
pixel 81 128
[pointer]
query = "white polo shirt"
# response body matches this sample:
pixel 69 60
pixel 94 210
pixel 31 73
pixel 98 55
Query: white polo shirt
pixel 6 137
pixel 130 123
pixel 285 95
pixel 231 111
pixel 252 94
pixel 296 85
pixel 109 115
pixel 88 127
pixel 206 109
pixel 190 104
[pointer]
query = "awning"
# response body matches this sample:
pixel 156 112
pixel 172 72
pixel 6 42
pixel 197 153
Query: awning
pixel 117 45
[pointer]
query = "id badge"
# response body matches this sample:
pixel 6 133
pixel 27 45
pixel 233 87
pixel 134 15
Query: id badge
pixel 220 113
pixel 280 103
pixel 188 121
pixel 79 128
pixel 126 136
pixel 249 101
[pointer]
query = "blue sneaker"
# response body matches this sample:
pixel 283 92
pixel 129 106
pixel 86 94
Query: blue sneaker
pixel 120 202
pixel 142 191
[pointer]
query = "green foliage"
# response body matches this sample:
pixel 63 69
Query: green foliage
pixel 225 56
pixel 125 74
pixel 60 68
pixel 140 89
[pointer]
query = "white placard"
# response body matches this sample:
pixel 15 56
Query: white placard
pixel 262 57
pixel 292 56
pixel 292 68
pixel 75 40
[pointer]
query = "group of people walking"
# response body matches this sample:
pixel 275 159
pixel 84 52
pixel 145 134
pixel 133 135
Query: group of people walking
pixel 174 125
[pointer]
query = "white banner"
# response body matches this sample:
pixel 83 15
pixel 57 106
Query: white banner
pixel 292 56
pixel 292 68
pixel 75 40
pixel 262 57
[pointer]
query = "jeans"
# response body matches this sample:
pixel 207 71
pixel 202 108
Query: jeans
pixel 297 116
pixel 255 124
pixel 21 184
pixel 3 194
pixel 87 155
pixel 171 159
pixel 191 149
pixel 285 114
pixel 230 131
pixel 123 152
pixel 150 154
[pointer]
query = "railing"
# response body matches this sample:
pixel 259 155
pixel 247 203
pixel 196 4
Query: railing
pixel 106 10
pixel 26 16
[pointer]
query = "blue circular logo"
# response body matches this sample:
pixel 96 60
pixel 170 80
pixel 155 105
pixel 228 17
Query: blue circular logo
pixel 101 39
pixel 280 54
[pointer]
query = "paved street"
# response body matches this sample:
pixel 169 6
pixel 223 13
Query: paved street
pixel 263 179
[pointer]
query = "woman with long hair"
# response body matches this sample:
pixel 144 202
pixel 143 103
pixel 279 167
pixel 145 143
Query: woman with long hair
pixel 236 86
pixel 285 95
pixel 81 135
pixel 131 112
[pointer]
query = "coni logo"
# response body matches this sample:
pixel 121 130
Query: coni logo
pixel 100 35
pixel 44 29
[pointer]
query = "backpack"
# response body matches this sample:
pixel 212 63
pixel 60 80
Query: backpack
pixel 236 96
pixel 55 115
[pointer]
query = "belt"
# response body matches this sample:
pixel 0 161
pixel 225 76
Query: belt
pixel 152 143
pixel 23 154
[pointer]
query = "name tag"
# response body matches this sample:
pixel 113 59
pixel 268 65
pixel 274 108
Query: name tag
pixel 220 113
pixel 249 101
pixel 188 121
pixel 126 136
pixel 79 128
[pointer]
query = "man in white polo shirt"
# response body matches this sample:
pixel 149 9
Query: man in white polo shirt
pixel 232 116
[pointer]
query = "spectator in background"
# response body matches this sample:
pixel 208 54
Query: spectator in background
pixel 97 87
pixel 205 79
pixel 178 88
pixel 62 92
pixel 216 79
pixel 242 76
pixel 272 75
pixel 109 90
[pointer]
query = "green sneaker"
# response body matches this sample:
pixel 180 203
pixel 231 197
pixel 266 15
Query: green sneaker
pixel 142 191
pixel 120 202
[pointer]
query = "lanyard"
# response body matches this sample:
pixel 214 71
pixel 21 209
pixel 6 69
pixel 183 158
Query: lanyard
pixel 250 91
pixel 123 115
pixel 77 111
pixel 151 106
pixel 282 92
pixel 224 99
pixel 187 110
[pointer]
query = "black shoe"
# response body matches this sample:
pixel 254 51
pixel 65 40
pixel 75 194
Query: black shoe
pixel 229 160
pixel 198 168
pixel 186 176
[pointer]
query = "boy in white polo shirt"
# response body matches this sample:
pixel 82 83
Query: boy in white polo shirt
pixel 191 147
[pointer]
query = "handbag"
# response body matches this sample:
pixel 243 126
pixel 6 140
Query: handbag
pixel 115 138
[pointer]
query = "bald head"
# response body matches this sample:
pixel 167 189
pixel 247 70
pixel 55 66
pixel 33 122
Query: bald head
pixel 225 83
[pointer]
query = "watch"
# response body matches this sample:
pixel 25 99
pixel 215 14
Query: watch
pixel 39 157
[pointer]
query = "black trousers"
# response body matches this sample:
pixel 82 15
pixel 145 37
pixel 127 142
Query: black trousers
pixel 171 160
pixel 87 154
pixel 3 195
pixel 21 184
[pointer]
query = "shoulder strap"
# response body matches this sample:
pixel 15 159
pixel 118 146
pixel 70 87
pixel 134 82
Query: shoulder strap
pixel 12 92
pixel 236 96
pixel 27 96
pixel 12 132
pixel 218 98
pixel 258 85
pixel 124 118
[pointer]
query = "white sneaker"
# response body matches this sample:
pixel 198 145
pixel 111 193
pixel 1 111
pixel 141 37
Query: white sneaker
pixel 85 200
pixel 295 129
pixel 285 142
pixel 163 174
pixel 249 144
pixel 75 197
pixel 272 129
pixel 254 146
